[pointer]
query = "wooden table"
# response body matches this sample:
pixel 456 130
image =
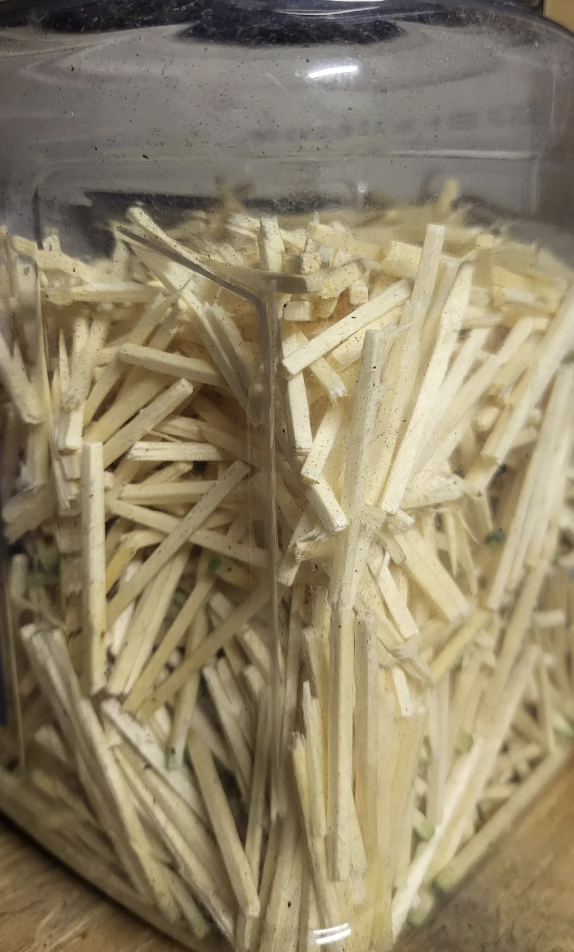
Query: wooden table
pixel 520 900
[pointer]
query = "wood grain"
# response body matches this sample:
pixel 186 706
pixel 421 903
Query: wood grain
pixel 520 900
pixel 45 908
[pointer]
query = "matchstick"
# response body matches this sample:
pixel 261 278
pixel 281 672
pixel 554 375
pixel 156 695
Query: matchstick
pixel 223 823
pixel 186 368
pixel 94 566
pixel 366 727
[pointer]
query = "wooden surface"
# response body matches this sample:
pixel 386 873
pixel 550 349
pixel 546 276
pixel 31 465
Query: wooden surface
pixel 44 908
pixel 561 11
pixel 520 900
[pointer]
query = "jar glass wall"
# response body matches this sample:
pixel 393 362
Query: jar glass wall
pixel 286 329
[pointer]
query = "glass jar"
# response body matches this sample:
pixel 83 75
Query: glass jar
pixel 287 326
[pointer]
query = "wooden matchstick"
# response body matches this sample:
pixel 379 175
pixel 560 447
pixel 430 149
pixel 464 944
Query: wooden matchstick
pixel 94 566
pixel 186 368
pixel 366 728
pixel 224 827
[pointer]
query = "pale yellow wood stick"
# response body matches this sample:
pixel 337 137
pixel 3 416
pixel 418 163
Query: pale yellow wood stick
pixel 156 452
pixel 461 366
pixel 125 554
pixel 239 749
pixel 237 441
pixel 271 244
pixel 288 935
pixel 438 767
pixel 327 897
pixel 366 730
pixel 316 762
pixel 224 827
pixel 128 294
pixel 514 635
pixel 325 504
pixel 407 741
pixel 83 363
pixel 316 656
pixel 429 573
pixel 346 241
pixel 341 278
pixel 257 806
pixel 273 918
pixel 94 566
pixel 177 278
pixel 173 365
pixel 163 522
pixel 309 917
pixel 289 696
pixel 322 370
pixel 191 911
pixel 204 727
pixel 323 443
pixel 345 355
pixel 545 705
pixel 192 830
pixel 253 643
pixel 396 604
pixel 447 657
pixel 239 356
pixel 296 400
pixel 167 474
pixel 547 499
pixel 340 741
pixel 345 577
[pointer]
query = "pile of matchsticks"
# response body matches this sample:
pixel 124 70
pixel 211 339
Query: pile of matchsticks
pixel 289 526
